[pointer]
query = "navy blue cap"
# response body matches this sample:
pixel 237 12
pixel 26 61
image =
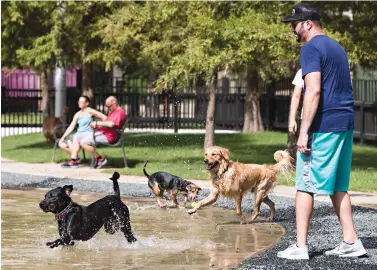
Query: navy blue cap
pixel 303 12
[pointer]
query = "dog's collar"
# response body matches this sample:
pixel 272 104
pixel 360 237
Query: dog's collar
pixel 63 214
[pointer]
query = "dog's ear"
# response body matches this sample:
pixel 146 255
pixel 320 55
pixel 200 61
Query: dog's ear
pixel 68 189
pixel 185 184
pixel 225 153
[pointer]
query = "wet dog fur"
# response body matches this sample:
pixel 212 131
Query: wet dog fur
pixel 78 222
pixel 164 181
pixel 235 179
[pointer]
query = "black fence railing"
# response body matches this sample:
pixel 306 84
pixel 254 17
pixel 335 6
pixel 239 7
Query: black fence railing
pixel 185 109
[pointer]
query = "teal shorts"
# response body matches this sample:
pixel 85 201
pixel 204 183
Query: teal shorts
pixel 327 168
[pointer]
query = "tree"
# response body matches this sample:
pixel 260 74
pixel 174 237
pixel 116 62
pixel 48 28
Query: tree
pixel 181 41
pixel 174 39
pixel 42 35
pixel 86 46
pixel 203 55
pixel 261 51
pixel 28 40
pixel 353 24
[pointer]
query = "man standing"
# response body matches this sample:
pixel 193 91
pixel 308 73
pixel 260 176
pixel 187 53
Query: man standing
pixel 326 134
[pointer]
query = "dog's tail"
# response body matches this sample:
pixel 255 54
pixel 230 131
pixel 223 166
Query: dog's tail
pixel 284 161
pixel 145 165
pixel 115 178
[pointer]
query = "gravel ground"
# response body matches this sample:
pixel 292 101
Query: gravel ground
pixel 324 234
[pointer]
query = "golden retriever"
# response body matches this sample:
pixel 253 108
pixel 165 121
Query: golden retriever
pixel 234 179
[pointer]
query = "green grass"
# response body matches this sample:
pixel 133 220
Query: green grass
pixel 22 118
pixel 181 154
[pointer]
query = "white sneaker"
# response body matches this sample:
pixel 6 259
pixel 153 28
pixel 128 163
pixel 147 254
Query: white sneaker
pixel 346 250
pixel 293 252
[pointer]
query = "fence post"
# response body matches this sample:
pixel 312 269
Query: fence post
pixel 362 128
pixel 176 114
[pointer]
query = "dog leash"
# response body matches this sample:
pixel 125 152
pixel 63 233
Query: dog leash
pixel 61 216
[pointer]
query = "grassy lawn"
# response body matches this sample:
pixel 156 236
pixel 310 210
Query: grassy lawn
pixel 181 154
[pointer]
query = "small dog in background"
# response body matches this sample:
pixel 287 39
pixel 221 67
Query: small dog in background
pixel 53 127
pixel 161 181
pixel 78 222
pixel 234 179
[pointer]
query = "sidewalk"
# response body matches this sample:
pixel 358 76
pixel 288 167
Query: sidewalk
pixel 86 173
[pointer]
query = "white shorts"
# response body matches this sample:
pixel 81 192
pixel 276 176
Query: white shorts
pixel 88 138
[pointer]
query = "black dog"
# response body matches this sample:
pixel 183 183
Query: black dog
pixel 161 181
pixel 77 222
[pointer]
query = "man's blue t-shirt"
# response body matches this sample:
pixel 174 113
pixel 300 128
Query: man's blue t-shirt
pixel 335 109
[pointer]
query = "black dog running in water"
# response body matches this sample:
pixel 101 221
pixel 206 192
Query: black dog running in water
pixel 77 222
pixel 161 181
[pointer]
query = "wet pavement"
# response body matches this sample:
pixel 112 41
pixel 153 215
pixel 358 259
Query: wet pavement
pixel 325 232
pixel 167 238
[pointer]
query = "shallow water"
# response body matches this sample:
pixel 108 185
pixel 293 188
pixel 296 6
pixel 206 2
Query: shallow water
pixel 167 238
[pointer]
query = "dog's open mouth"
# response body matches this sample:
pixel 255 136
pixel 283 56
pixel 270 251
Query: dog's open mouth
pixel 212 165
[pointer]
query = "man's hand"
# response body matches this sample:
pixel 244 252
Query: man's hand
pixel 61 140
pixel 292 127
pixel 302 143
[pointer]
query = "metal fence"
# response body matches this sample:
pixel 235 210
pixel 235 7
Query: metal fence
pixel 185 109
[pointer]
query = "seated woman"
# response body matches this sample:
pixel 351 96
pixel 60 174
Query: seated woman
pixel 82 118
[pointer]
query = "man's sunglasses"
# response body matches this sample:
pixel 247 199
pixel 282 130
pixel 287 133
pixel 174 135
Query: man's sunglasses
pixel 295 23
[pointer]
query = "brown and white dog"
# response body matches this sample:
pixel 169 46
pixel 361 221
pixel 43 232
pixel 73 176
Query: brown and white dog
pixel 234 180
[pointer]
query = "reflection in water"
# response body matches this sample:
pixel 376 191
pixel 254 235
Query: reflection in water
pixel 168 239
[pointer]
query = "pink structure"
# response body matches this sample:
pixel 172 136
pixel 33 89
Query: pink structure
pixel 27 79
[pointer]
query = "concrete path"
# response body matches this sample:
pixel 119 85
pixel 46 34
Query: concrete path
pixel 87 173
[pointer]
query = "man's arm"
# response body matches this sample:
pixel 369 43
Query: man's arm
pixel 311 101
pixel 99 124
pixel 112 122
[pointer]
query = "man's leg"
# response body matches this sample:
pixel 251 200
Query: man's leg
pixel 87 146
pixel 341 199
pixel 351 246
pixel 304 209
pixel 342 205
pixel 89 149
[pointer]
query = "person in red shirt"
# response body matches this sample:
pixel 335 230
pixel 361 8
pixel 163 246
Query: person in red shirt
pixel 106 130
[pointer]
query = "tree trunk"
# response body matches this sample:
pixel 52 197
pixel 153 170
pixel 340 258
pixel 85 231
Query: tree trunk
pixel 209 139
pixel 252 116
pixel 44 104
pixel 151 104
pixel 87 80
